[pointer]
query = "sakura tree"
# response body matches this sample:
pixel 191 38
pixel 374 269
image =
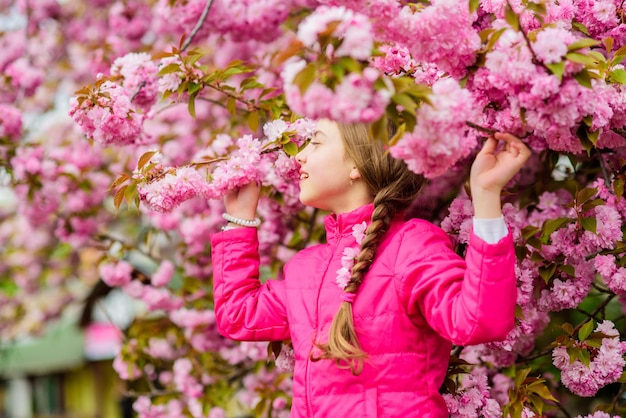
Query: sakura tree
pixel 123 123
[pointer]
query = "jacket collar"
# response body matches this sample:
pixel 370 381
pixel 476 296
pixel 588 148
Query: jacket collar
pixel 338 225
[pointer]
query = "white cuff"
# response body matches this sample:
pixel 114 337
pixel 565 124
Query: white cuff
pixel 490 230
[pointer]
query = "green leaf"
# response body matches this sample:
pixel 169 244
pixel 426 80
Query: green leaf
pixel 405 101
pixel 130 194
pixel 568 269
pixel 168 69
pixel 568 328
pixel 618 187
pixel 582 43
pixel 145 158
pixel 583 134
pixel 191 107
pixel 253 121
pixel 621 51
pixel 552 225
pixel 511 17
pixel 585 330
pixel 118 198
pixel 350 64
pixel 583 78
pixel 557 68
pixel 530 231
pixel 193 88
pixel 493 39
pixel 622 378
pixel 582 28
pixel 231 106
pixel 582 59
pixel 584 356
pixel 473 5
pixel 291 148
pixel 520 376
pixel 618 76
pixel 543 391
pixel 305 77
pixel 547 272
pixel 589 224
pixel 585 194
pixel 234 70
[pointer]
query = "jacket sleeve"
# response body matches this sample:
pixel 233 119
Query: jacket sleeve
pixel 245 309
pixel 469 301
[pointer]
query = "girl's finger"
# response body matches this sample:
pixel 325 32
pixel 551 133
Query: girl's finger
pixel 489 147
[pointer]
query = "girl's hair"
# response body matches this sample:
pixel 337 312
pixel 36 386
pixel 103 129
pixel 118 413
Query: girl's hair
pixel 393 187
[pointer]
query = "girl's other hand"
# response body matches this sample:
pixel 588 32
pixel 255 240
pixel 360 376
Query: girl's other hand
pixel 493 168
pixel 242 202
pixel 491 171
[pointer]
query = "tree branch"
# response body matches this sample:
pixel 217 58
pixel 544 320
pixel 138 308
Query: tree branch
pixel 199 24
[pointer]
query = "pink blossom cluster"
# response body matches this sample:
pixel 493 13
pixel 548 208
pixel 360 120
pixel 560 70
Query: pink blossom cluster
pixel 606 363
pixel 354 31
pixel 354 99
pixel 349 256
pixel 116 273
pixel 397 60
pixel 144 408
pixel 10 121
pixel 240 19
pixel 239 169
pixel 130 20
pixel 24 76
pixel 139 73
pixel 184 379
pixel 440 33
pixel 598 414
pixel 175 187
pixel 519 342
pixel 472 398
pixel 601 19
pixel 441 137
pixel 514 79
pixel 266 379
pixel 163 348
pixel 56 171
pixel 433 36
pixel 154 298
pixel 612 274
pixel 111 120
pixel 286 360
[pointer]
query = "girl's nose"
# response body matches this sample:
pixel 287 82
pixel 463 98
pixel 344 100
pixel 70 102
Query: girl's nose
pixel 300 157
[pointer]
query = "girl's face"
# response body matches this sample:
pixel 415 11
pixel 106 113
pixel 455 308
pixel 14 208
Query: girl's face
pixel 326 172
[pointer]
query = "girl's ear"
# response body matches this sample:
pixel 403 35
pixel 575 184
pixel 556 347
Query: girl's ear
pixel 354 174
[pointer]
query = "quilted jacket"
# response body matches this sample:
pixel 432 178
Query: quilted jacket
pixel 418 298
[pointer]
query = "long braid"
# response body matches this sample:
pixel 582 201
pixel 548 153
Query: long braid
pixel 393 187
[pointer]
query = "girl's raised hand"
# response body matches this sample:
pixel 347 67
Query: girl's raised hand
pixel 492 169
pixel 242 202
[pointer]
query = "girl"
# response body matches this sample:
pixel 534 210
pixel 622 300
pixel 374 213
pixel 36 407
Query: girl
pixel 372 324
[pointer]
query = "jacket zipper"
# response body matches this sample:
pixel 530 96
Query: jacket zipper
pixel 317 321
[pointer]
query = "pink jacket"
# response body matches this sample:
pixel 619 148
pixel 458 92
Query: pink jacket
pixel 418 298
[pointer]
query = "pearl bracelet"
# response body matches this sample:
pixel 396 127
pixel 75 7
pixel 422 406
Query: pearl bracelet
pixel 242 222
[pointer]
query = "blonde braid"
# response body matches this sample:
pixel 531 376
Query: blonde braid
pixel 343 344
pixel 393 188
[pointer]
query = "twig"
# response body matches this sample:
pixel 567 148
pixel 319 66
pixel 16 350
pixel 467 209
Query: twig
pixel 536 60
pixel 139 87
pixel 480 128
pixel 199 24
